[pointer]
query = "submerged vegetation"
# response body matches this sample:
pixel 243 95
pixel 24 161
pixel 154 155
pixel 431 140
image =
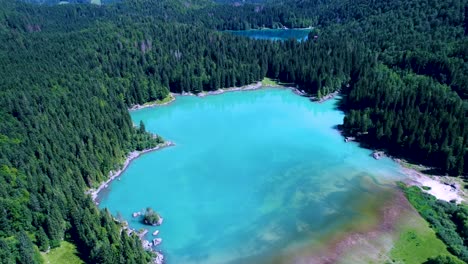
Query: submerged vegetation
pixel 68 74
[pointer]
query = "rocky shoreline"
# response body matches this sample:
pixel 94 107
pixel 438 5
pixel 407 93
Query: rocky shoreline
pixel 147 245
pixel 153 104
pixel 250 87
pixel 326 97
pixel 159 258
pixel 113 175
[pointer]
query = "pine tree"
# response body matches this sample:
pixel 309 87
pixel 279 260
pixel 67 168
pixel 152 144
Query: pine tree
pixel 42 240
pixel 25 247
pixel 142 128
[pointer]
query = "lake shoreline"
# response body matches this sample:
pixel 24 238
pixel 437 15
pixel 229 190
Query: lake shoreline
pixel 338 247
pixel 326 97
pixel 152 104
pixel 159 258
pixel 115 174
pixel 444 188
pixel 249 87
pixel 94 192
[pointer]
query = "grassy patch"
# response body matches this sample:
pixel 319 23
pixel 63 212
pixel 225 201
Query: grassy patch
pixel 66 253
pixel 416 243
pixel 165 100
pixel 426 188
pixel 448 220
pixel 269 82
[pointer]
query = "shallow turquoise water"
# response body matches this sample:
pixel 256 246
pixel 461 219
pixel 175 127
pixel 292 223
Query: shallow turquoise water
pixel 273 34
pixel 254 174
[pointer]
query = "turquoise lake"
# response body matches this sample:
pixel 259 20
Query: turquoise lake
pixel 300 34
pixel 253 175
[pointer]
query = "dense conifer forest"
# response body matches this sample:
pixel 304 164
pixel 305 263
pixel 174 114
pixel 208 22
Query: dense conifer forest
pixel 68 73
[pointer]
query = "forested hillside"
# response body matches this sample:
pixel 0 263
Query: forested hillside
pixel 417 108
pixel 63 128
pixel 68 74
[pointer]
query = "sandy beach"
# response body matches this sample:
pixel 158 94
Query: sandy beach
pixel 442 187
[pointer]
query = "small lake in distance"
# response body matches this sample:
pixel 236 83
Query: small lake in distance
pixel 300 34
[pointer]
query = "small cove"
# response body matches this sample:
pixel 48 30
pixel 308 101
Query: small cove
pixel 253 175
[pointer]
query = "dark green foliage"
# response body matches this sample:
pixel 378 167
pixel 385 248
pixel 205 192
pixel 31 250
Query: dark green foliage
pixel 409 115
pixel 64 126
pixel 449 220
pixel 407 107
pixel 42 240
pixel 54 2
pixel 26 252
pixel 142 128
pixel 6 254
pixel 443 259
pixel 151 217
